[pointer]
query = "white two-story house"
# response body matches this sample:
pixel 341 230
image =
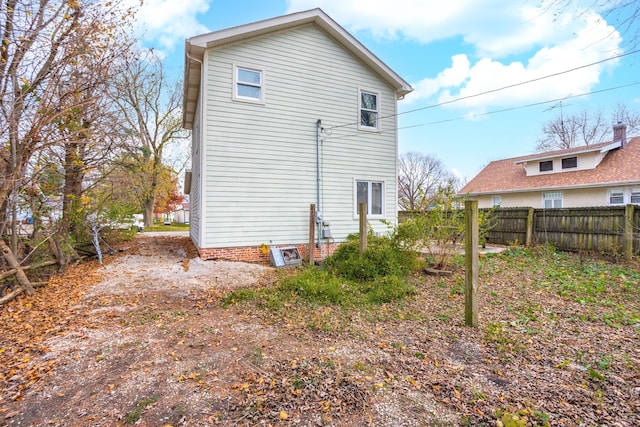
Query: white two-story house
pixel 285 113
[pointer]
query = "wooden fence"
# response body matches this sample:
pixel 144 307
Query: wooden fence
pixel 613 230
pixel 608 229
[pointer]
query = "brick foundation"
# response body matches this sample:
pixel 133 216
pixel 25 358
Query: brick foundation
pixel 255 253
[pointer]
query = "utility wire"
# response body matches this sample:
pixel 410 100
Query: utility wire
pixel 462 98
pixel 333 138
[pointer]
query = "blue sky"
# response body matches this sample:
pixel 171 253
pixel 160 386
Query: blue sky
pixel 448 50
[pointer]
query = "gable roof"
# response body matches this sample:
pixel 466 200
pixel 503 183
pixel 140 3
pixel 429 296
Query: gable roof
pixel 620 166
pixel 195 47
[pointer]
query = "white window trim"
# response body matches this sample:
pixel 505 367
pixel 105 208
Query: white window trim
pixel 553 192
pixel 234 90
pixel 636 191
pixel 618 191
pixel 494 199
pixel 379 99
pixel 356 214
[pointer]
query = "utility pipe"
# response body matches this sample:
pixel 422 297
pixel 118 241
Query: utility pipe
pixel 318 207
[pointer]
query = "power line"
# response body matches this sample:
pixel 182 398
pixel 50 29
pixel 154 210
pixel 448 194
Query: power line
pixel 462 98
pixel 504 110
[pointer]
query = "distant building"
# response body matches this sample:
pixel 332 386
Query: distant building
pixel 604 174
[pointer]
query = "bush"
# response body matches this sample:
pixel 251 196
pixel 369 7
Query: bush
pixel 382 258
pixel 319 287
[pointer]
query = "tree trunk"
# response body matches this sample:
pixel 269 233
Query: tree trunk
pixel 73 177
pixel 23 281
pixel 147 212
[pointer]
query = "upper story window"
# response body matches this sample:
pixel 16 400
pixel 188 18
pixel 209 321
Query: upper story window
pixel 546 166
pixel 569 162
pixel 496 200
pixel 369 109
pixel 371 193
pixel 551 200
pixel 248 84
pixel 635 196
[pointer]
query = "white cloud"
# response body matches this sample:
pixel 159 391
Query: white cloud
pixel 487 74
pixel 494 27
pixel 495 30
pixel 167 23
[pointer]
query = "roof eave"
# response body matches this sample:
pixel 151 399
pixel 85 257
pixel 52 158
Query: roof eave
pixel 586 149
pixel 195 47
pixel 551 188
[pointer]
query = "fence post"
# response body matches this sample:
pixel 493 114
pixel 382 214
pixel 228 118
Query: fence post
pixel 471 241
pixel 362 212
pixel 628 232
pixel 529 238
pixel 312 233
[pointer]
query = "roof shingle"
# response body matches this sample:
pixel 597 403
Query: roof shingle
pixel 620 166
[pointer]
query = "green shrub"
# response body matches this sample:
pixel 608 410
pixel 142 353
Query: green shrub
pixel 318 286
pixel 388 289
pixel 382 258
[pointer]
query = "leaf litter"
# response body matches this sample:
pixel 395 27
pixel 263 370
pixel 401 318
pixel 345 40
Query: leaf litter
pixel 145 340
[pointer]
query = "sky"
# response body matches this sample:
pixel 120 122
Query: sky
pixel 487 74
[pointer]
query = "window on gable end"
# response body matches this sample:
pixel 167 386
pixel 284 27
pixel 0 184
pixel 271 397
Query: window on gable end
pixel 569 162
pixel 546 166
pixel 248 84
pixel 369 110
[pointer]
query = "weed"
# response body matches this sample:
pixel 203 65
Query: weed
pixel 239 296
pixel 497 334
pixel 133 416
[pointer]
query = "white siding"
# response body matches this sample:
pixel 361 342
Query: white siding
pixel 585 161
pixel 194 194
pixel 261 159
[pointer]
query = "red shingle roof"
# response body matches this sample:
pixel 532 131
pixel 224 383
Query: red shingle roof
pixel 620 166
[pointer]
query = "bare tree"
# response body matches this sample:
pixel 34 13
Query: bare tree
pixel 584 128
pixel 419 178
pixel 623 14
pixel 149 104
pixel 43 43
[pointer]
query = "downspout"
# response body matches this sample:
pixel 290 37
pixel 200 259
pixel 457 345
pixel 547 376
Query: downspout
pixel 318 210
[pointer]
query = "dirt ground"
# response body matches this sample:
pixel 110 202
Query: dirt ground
pixel 144 340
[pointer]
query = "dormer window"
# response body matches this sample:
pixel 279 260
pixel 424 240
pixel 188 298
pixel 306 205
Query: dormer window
pixel 570 162
pixel 546 166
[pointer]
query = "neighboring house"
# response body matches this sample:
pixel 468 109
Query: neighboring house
pixel 591 175
pixel 181 215
pixel 285 113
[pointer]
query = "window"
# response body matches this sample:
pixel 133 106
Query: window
pixel 551 200
pixel 570 162
pixel 496 200
pixel 616 196
pixel 248 84
pixel 635 196
pixel 546 166
pixel 370 193
pixel 369 110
